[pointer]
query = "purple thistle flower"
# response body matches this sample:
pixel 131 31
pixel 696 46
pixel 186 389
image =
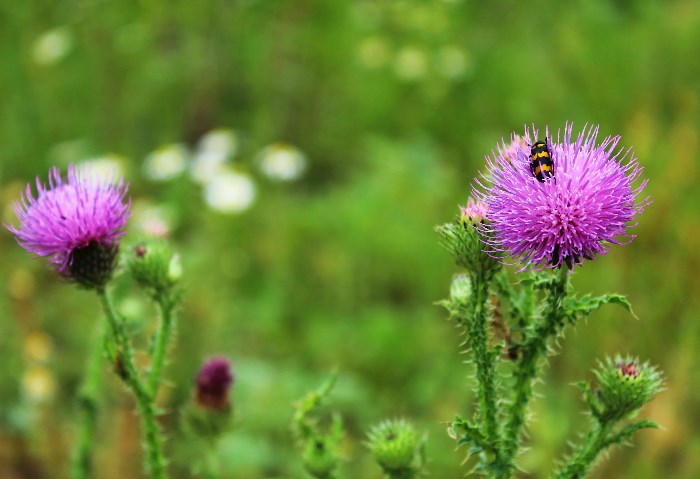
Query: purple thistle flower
pixel 76 222
pixel 587 205
pixel 213 383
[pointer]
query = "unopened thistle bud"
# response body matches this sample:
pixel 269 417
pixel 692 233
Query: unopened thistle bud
pixel 463 238
pixel 396 447
pixel 154 266
pixel 213 384
pixel 320 456
pixel 624 385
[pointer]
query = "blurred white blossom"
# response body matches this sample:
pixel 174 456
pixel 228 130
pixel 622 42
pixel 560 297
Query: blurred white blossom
pixel 38 384
pixel 52 46
pixel 213 151
pixel 230 192
pixel 152 220
pixel 282 162
pixel 166 163
pixel 108 167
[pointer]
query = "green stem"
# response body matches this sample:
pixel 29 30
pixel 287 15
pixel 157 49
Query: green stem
pixel 579 464
pixel 152 440
pixel 535 347
pixel 162 339
pixel 478 334
pixel 82 467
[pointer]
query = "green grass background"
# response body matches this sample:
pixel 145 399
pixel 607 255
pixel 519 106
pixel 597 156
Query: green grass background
pixel 340 269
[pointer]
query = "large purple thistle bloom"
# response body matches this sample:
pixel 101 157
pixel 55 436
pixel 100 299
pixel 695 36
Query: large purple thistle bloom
pixel 77 220
pixel 588 204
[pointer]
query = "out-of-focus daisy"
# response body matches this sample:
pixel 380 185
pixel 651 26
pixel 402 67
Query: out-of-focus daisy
pixel 230 192
pixel 213 151
pixel 153 220
pixel 411 64
pixel 52 46
pixel 108 167
pixel 77 222
pixel 588 204
pixel 166 162
pixel 38 384
pixel 282 162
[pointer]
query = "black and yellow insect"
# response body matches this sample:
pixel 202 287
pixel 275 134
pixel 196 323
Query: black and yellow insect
pixel 541 164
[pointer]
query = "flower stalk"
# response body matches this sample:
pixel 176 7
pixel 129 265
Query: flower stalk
pixel 127 371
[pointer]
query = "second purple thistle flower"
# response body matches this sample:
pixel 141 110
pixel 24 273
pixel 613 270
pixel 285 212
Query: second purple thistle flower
pixel 588 204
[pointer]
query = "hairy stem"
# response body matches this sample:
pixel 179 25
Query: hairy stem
pixel 582 460
pixel 82 467
pixel 152 440
pixel 478 337
pixel 162 339
pixel 534 348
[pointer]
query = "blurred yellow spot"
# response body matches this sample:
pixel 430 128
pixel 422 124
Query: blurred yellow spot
pixel 38 346
pixel 38 383
pixel 411 64
pixel 52 46
pixel 374 52
pixel 21 284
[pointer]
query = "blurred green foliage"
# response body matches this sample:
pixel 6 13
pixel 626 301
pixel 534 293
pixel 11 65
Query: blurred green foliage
pixel 394 104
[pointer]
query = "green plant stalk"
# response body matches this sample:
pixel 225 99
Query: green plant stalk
pixel 478 336
pixel 534 349
pixel 579 464
pixel 81 466
pixel 151 435
pixel 162 339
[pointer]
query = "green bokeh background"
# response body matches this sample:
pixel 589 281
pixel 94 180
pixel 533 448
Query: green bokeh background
pixel 395 104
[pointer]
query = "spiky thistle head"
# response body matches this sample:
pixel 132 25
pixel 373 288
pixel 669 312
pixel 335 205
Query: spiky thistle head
pixel 77 222
pixel 572 215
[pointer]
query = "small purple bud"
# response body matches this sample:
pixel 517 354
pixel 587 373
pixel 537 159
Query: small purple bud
pixel 213 384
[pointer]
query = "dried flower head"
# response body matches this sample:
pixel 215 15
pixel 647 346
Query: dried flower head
pixel 213 384
pixel 76 222
pixel 586 205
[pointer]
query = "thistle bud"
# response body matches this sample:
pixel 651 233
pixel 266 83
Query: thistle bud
pixel 396 447
pixel 213 384
pixel 624 385
pixel 320 456
pixel 463 240
pixel 154 266
pixel 460 289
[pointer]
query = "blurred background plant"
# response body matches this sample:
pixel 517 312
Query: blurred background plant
pixel 298 154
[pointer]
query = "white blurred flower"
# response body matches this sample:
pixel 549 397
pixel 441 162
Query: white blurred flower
pixel 166 162
pixel 452 62
pixel 230 192
pixel 282 162
pixel 52 46
pixel 213 151
pixel 221 140
pixel 109 167
pixel 38 384
pixel 374 52
pixel 152 220
pixel 411 64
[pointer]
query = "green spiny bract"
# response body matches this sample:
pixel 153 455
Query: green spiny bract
pixel 154 267
pixel 624 386
pixel 395 445
pixel 462 238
